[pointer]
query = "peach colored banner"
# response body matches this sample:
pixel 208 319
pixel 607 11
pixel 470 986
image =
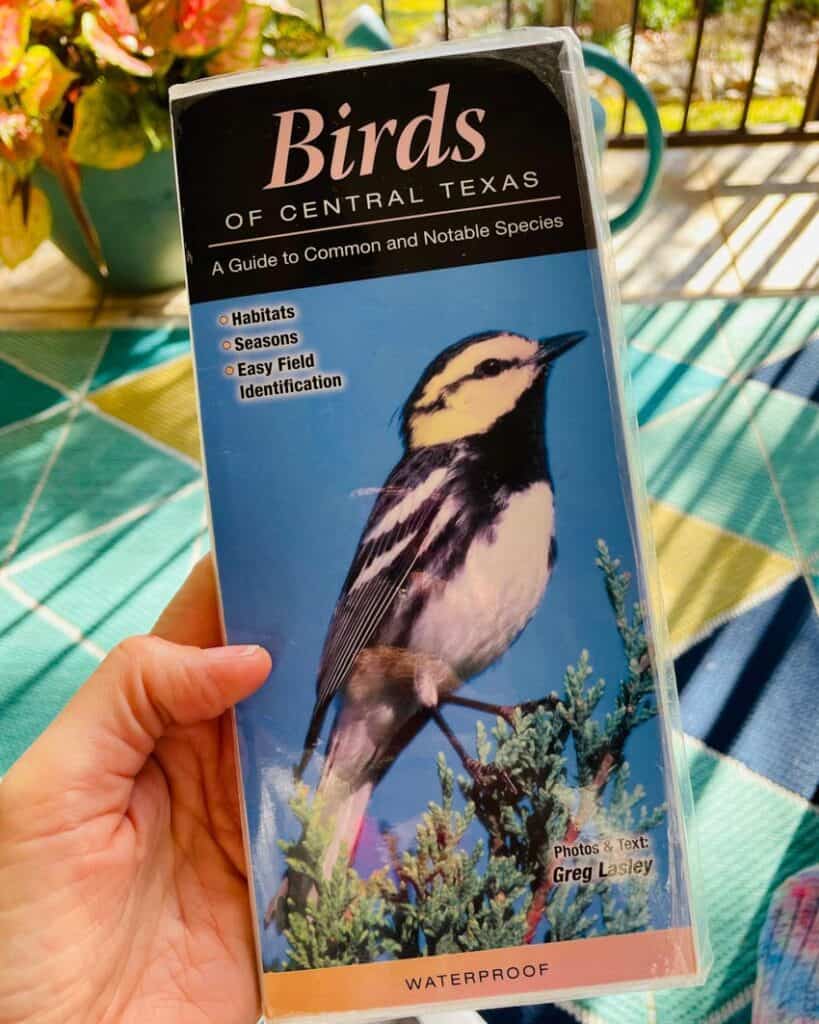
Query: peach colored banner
pixel 489 974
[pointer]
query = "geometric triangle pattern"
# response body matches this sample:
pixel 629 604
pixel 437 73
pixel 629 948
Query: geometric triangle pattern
pixel 706 462
pixel 103 514
pixel 752 836
pixel 787 430
pixel 797 373
pixel 101 520
pixel 658 384
pixel 24 453
pixel 63 358
pixel 724 336
pixel 23 395
pixel 685 332
pixel 691 551
pixel 102 472
pixel 111 585
pixel 42 668
pixel 159 402
pixel 133 350
pixel 767 330
pixel 748 688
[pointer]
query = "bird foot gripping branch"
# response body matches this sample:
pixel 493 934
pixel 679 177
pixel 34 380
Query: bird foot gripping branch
pixel 415 675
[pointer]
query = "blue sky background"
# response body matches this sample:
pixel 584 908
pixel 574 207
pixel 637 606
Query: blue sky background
pixel 292 484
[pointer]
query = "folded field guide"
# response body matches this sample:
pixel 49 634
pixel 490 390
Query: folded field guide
pixel 462 783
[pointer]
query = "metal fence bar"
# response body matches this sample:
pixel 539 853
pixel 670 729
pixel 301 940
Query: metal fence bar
pixel 689 92
pixel 635 13
pixel 573 19
pixel 760 42
pixel 323 25
pixel 384 11
pixel 507 14
pixel 446 19
pixel 811 111
pixel 718 137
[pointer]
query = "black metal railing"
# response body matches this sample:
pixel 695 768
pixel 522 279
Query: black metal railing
pixel 744 131
pixel 807 129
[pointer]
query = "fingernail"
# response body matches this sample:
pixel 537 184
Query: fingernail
pixel 232 652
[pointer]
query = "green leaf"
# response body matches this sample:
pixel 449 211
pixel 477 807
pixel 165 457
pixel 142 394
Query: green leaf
pixel 25 220
pixel 44 81
pixel 155 121
pixel 107 129
pixel 108 50
pixel 295 38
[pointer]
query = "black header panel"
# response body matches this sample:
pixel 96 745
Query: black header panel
pixel 387 169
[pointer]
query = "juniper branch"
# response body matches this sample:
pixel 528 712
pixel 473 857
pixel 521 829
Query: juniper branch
pixel 345 921
pixel 452 906
pixel 534 812
pixel 437 896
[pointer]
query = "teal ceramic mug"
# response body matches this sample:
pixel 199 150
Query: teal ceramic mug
pixel 601 60
pixel 366 30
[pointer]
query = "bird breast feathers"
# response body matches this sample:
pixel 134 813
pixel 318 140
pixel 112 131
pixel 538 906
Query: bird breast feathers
pixel 471 620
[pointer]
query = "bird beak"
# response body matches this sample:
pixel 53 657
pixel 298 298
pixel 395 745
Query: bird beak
pixel 551 348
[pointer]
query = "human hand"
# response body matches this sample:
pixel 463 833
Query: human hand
pixel 123 894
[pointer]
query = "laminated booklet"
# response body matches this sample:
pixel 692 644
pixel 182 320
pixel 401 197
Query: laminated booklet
pixel 463 783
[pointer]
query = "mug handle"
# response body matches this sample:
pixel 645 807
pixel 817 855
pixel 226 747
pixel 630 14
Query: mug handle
pixel 601 60
pixel 364 28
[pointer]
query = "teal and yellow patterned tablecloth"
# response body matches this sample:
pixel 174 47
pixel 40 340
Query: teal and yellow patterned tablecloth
pixel 103 514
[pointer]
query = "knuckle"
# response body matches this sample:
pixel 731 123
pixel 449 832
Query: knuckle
pixel 133 661
pixel 135 650
pixel 140 656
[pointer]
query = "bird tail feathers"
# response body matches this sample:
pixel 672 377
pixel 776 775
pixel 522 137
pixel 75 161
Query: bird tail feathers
pixel 311 741
pixel 344 804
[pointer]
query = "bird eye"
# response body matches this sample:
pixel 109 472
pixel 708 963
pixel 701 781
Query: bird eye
pixel 489 368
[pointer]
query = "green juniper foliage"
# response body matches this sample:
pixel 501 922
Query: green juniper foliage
pixel 550 771
pixel 448 900
pixel 628 815
pixel 346 922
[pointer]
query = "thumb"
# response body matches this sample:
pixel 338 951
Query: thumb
pixel 88 757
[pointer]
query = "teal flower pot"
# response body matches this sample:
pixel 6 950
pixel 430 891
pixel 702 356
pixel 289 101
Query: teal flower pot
pixel 134 213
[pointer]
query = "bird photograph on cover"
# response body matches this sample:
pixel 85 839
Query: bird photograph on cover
pixel 452 564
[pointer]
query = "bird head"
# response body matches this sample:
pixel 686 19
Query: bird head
pixel 468 387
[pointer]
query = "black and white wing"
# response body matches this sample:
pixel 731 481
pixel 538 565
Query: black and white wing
pixel 394 538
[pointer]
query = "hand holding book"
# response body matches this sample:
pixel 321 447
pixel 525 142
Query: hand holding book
pixel 122 888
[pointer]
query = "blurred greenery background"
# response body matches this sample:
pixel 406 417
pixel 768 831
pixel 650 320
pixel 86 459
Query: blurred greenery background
pixel 663 49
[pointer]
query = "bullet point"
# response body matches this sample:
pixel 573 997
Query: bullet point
pixel 223 319
pixel 226 346
pixel 229 371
